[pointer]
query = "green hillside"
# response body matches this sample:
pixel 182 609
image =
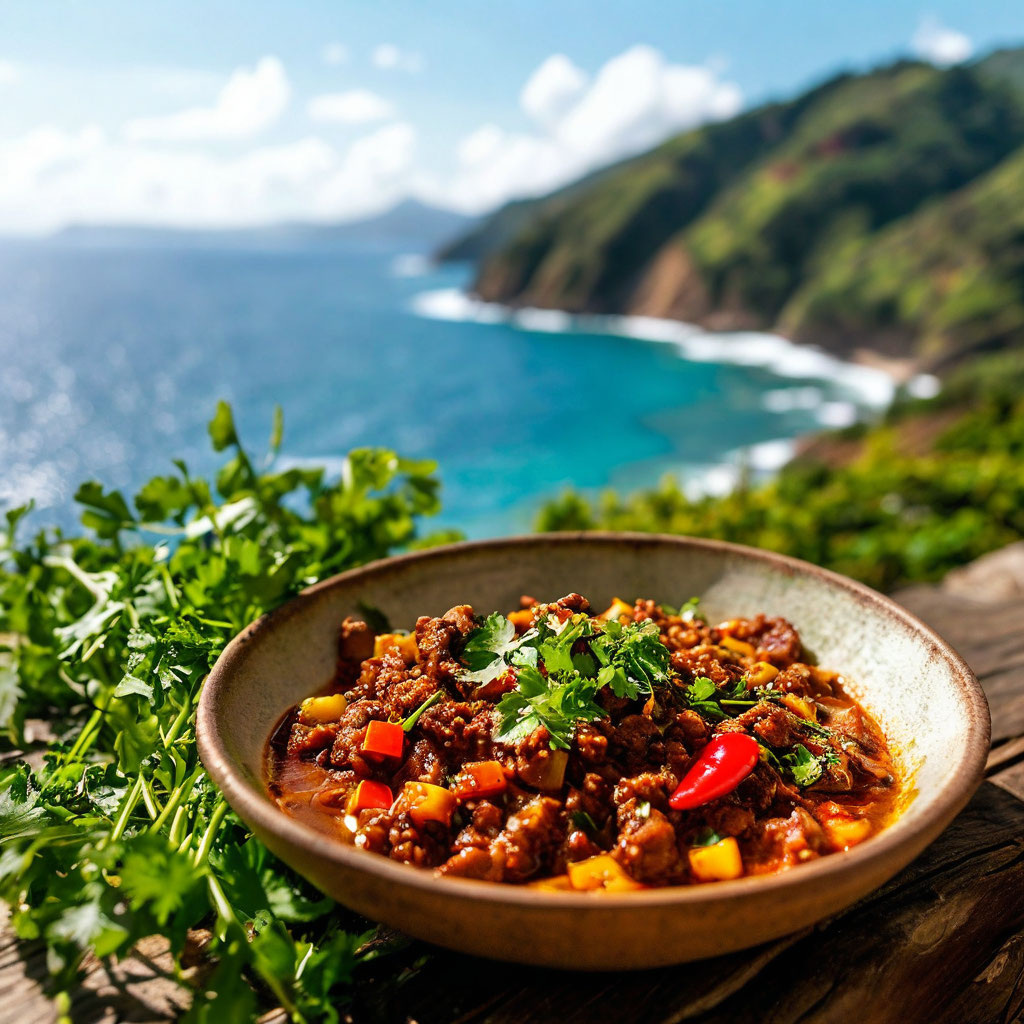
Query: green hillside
pixel 840 212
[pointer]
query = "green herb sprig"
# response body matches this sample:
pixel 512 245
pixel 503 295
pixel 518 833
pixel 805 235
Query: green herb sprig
pixel 119 834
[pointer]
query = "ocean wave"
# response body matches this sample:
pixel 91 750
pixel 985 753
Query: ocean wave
pixel 872 387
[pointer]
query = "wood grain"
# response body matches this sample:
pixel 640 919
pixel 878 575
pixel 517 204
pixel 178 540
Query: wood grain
pixel 942 943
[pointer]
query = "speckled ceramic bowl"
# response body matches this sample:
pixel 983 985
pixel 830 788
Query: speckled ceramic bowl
pixel 925 697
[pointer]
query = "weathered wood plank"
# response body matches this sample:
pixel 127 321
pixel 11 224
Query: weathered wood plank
pixel 990 638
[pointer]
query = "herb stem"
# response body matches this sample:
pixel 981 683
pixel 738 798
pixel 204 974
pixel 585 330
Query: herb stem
pixel 203 850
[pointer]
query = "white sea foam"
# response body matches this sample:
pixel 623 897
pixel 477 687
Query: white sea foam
pixel 769 456
pixel 837 415
pixel 872 387
pixel 792 399
pixel 759 460
pixel 410 264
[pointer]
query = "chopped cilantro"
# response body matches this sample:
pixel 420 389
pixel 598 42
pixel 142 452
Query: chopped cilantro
pixel 584 822
pixel 556 705
pixel 486 647
pixel 635 653
pixel 707 836
pixel 804 768
pixel 702 695
pixel 643 809
pixel 688 612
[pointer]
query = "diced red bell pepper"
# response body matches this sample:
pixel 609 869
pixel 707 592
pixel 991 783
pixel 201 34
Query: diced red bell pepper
pixel 369 794
pixel 480 779
pixel 383 740
pixel 722 765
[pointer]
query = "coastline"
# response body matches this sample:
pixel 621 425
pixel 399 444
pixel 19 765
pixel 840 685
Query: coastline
pixel 869 382
pixel 874 379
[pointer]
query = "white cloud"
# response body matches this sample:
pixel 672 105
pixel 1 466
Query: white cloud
pixel 635 100
pixel 357 106
pixel 250 101
pixel 8 72
pixel 54 177
pixel 389 57
pixel 552 88
pixel 939 44
pixel 334 54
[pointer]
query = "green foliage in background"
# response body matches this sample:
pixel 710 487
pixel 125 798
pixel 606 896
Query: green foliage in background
pixel 117 833
pixel 885 518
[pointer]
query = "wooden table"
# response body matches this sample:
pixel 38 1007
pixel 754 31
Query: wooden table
pixel 942 942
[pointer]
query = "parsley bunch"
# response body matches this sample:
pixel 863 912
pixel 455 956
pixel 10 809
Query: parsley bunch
pixel 115 833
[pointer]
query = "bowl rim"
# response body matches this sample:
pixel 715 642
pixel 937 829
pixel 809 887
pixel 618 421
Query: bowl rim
pixel 256 809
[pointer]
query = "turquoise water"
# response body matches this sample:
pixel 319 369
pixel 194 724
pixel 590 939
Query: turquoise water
pixel 112 361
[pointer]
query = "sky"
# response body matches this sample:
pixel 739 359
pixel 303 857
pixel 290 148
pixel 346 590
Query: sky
pixel 218 114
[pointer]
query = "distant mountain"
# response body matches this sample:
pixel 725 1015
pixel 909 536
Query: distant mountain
pixel 410 223
pixel 881 210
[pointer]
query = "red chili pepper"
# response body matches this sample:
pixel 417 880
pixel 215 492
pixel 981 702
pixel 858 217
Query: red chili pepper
pixel 723 764
pixel 383 739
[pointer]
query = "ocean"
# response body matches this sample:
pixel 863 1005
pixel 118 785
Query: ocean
pixel 112 359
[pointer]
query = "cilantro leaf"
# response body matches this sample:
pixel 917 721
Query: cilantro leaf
pixel 538 701
pixel 804 768
pixel 707 836
pixel 486 648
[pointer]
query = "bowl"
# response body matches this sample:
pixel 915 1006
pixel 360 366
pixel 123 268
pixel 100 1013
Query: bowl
pixel 924 696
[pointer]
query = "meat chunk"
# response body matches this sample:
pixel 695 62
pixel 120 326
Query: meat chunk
pixel 530 838
pixel 647 847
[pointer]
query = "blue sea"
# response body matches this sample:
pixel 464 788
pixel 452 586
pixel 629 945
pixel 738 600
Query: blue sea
pixel 112 359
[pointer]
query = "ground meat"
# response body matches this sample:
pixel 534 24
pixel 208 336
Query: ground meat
pixel 355 640
pixel 401 689
pixel 434 640
pixel 484 863
pixel 305 739
pixel 530 838
pixel 486 822
pixel 777 843
pixel 591 745
pixel 351 731
pixel 462 730
pixel 772 724
pixel 424 846
pixel 648 847
pixel 609 792
pixel 630 742
pixel 424 763
pixel 705 661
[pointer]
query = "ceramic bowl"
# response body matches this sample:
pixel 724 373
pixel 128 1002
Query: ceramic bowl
pixel 925 697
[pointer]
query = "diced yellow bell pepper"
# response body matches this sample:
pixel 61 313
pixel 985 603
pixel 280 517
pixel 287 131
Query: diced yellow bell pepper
pixel 761 674
pixel 521 619
pixel 617 609
pixel 738 646
pixel 717 863
pixel 799 706
pixel 405 642
pixel 558 883
pixel 322 709
pixel 601 872
pixel 427 802
pixel 846 832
